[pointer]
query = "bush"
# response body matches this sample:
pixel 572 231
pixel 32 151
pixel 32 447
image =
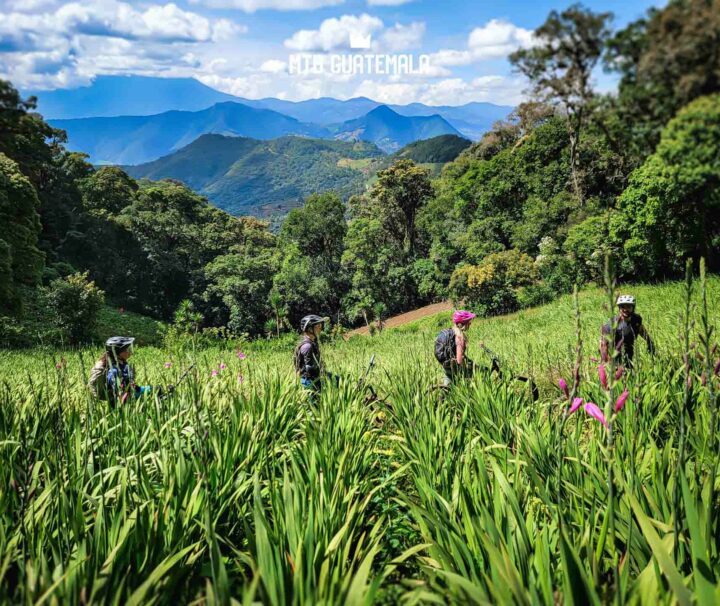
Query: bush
pixel 492 286
pixel 587 245
pixel 535 294
pixel 75 302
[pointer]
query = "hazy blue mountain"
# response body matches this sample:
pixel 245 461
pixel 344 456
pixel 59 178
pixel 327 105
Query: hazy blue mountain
pixel 324 111
pixel 128 96
pixel 390 131
pixel 472 119
pixel 265 178
pixel 143 96
pixel 137 139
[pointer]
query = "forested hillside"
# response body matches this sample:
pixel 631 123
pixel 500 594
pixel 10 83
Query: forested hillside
pixel 519 217
pixel 263 178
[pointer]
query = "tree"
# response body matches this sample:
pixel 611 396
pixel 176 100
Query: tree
pixel 311 240
pixel 406 187
pixel 21 261
pixel 525 118
pixel 671 208
pixel 108 190
pixel 238 287
pixel 493 284
pixel 75 302
pixel 559 67
pixel 665 60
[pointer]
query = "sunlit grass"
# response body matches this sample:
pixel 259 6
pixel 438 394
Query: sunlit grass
pixel 238 488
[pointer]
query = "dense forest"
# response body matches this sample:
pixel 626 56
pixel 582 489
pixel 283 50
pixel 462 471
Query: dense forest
pixel 516 219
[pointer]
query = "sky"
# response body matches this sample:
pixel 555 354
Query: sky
pixel 290 49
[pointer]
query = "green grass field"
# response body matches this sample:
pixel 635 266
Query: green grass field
pixel 239 490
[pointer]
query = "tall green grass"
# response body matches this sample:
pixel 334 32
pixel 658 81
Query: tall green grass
pixel 240 490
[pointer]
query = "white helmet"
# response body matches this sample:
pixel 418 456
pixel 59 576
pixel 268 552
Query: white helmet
pixel 626 300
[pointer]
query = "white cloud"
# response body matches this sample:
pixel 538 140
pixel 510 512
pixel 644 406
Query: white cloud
pixel 348 31
pixel 498 38
pixel 104 36
pixel 274 66
pixel 494 40
pixel 403 37
pixel 250 6
pixel 450 91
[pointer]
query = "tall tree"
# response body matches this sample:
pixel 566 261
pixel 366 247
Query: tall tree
pixel 560 65
pixel 311 240
pixel 671 208
pixel 665 60
pixel 20 260
pixel 405 187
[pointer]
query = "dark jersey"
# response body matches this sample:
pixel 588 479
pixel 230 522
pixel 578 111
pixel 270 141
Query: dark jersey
pixel 626 332
pixel 307 359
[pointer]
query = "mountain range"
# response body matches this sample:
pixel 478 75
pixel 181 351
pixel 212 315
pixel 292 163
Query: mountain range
pixel 267 178
pixel 111 96
pixel 139 139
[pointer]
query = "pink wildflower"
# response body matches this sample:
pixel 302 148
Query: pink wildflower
pixel 620 403
pixel 603 376
pixel 564 388
pixel 577 402
pixel 595 413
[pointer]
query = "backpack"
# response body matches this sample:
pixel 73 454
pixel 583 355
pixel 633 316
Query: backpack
pixel 445 348
pixel 97 382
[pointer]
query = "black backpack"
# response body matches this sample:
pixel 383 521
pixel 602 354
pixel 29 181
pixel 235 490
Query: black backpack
pixel 445 348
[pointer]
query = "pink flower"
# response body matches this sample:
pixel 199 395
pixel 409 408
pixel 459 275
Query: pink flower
pixel 214 373
pixel 603 376
pixel 222 366
pixel 240 355
pixel 596 413
pixel 619 373
pixel 620 402
pixel 241 379
pixel 564 387
pixel 577 402
pixel 168 364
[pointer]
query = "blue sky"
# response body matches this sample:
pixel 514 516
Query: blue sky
pixel 248 47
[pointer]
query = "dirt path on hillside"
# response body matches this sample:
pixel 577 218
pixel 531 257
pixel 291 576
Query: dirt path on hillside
pixel 410 316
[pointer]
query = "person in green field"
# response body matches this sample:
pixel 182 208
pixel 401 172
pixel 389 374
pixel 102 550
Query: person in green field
pixel 307 358
pixel 112 378
pixel 451 348
pixel 628 326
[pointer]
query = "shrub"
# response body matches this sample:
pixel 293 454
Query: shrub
pixel 75 302
pixel 492 286
pixel 587 245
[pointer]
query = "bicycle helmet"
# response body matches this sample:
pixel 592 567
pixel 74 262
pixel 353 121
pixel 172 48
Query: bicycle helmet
pixel 461 316
pixel 310 321
pixel 116 345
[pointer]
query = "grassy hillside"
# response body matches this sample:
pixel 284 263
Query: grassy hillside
pixel 416 497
